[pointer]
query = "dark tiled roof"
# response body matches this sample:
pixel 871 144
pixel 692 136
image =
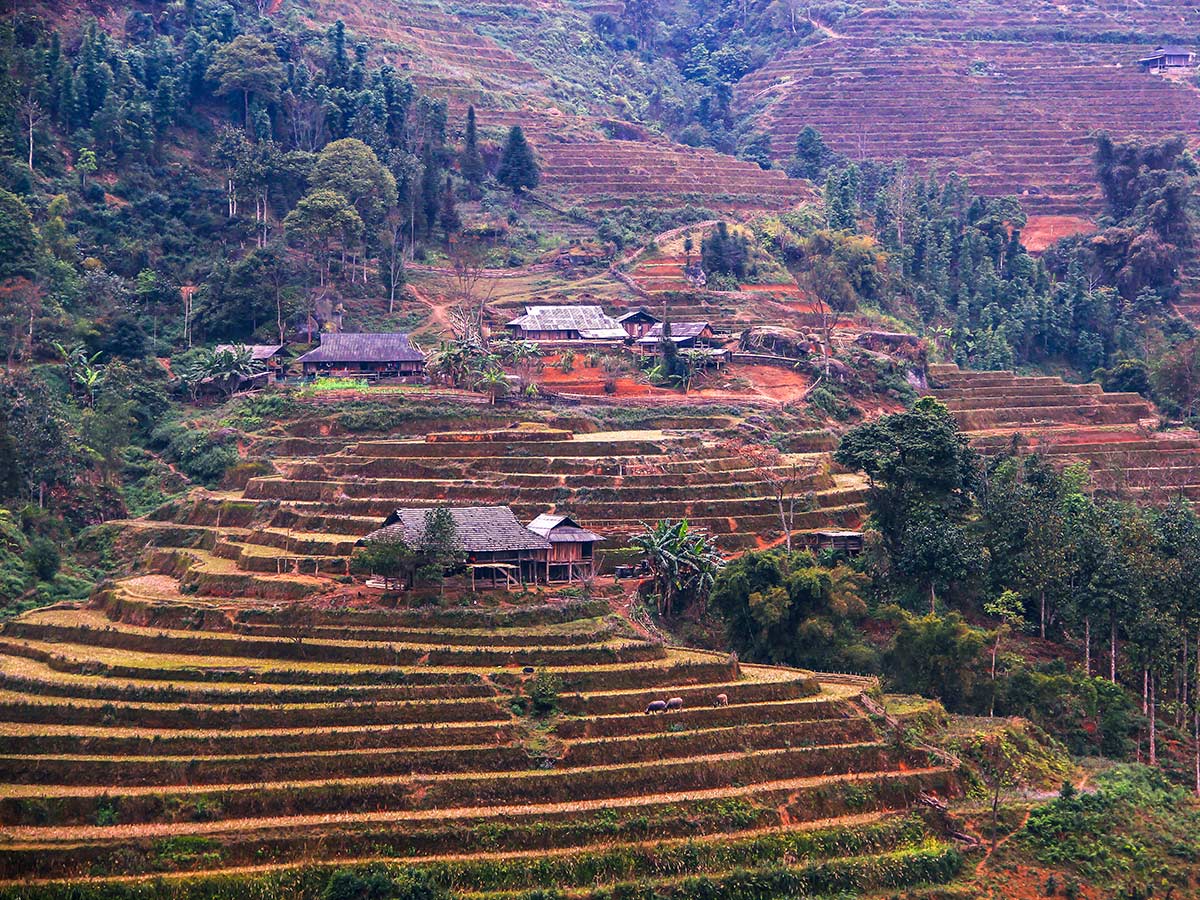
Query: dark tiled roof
pixel 369 348
pixel 635 313
pixel 257 351
pixel 561 529
pixel 481 529
pixel 680 331
pixel 589 321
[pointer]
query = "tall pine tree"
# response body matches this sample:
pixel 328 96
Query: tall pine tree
pixel 470 161
pixel 518 169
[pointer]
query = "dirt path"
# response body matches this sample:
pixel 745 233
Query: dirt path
pixel 438 309
pixel 1080 786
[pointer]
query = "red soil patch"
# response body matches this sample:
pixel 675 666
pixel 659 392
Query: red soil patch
pixel 1040 232
pixel 765 383
pixel 769 288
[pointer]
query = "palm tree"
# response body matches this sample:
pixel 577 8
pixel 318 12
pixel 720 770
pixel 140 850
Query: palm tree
pixel 493 382
pixel 83 369
pixel 683 563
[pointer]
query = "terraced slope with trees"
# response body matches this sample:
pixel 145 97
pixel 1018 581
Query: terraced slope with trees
pixel 1014 118
pixel 1113 434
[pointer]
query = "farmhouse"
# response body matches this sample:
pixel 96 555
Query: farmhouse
pixel 270 355
pixel 638 321
pixel 566 323
pixel 572 549
pixel 1168 58
pixel 500 550
pixel 378 355
pixel 686 335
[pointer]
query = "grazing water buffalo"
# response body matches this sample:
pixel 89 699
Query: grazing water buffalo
pixel 656 706
pixel 674 703
pixel 722 700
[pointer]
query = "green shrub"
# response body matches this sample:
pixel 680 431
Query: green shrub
pixel 42 558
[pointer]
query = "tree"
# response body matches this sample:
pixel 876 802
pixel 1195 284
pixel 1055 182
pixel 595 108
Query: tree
pixel 352 169
pixel 18 240
pixel 1006 608
pixel 923 476
pixel 683 563
pixel 320 220
pixel 438 548
pixel 250 65
pixel 783 608
pixel 937 656
pixel 470 161
pixel 391 256
pixel 387 555
pixel 812 156
pixel 448 216
pixel 518 169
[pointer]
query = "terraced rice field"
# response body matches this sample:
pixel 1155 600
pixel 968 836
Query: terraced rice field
pixel 1075 423
pixel 285 531
pixel 1014 118
pixel 158 734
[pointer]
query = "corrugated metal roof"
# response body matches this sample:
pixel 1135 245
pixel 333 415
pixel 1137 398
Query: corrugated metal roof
pixel 374 348
pixel 481 529
pixel 680 331
pixel 562 529
pixel 590 321
pixel 257 351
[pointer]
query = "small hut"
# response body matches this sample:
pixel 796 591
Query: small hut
pixel 270 355
pixel 572 548
pixel 1170 57
pixel 638 321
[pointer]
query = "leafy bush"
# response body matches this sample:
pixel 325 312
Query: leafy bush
pixel 203 456
pixel 42 558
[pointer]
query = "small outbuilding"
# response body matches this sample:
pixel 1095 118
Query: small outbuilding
pixel 638 321
pixel 270 355
pixel 389 355
pixel 686 335
pixel 572 548
pixel 1169 57
pixel 566 323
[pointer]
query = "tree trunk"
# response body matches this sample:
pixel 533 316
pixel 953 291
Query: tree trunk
pixel 1153 724
pixel 1087 646
pixel 1112 651
pixel 1042 603
pixel 932 600
pixel 995 650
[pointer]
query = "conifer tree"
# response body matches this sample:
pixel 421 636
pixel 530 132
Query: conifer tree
pixel 470 162
pixel 518 169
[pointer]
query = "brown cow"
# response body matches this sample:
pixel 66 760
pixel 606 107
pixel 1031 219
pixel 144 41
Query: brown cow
pixel 675 703
pixel 722 700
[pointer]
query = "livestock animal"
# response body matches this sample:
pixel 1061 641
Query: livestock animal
pixel 675 703
pixel 656 706
pixel 722 700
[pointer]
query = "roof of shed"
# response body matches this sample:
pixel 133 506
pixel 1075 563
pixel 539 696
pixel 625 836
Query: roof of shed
pixel 257 351
pixel 680 331
pixel 562 529
pixel 480 529
pixel 376 348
